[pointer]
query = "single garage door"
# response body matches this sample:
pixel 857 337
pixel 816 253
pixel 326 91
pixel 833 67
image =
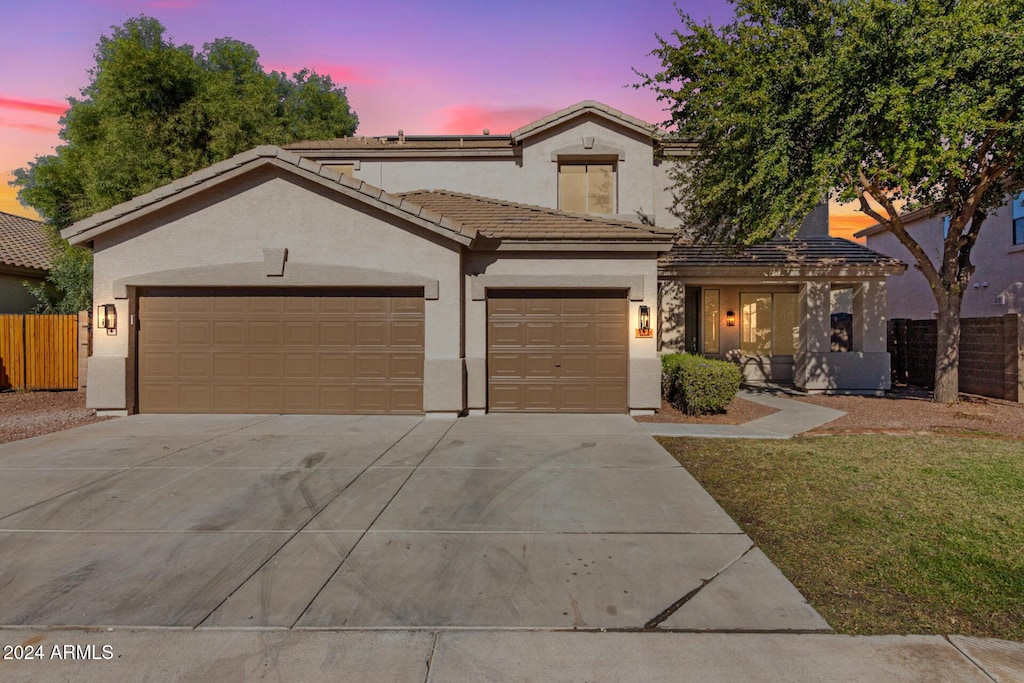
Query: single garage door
pixel 280 351
pixel 557 351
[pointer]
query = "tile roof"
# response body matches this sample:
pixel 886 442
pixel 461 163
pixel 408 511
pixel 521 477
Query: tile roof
pixel 814 252
pixel 24 243
pixel 500 219
pixel 409 143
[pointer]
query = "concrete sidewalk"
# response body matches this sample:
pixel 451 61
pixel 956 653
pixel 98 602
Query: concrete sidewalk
pixel 501 655
pixel 792 418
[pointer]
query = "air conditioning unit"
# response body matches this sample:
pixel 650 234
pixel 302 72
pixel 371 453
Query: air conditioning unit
pixel 999 300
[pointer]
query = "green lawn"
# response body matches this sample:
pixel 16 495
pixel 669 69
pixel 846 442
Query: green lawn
pixel 882 534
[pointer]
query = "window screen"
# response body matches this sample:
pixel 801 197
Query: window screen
pixel 586 188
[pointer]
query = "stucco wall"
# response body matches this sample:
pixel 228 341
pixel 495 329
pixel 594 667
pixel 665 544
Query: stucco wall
pixel 998 263
pixel 560 271
pixel 266 209
pixel 14 298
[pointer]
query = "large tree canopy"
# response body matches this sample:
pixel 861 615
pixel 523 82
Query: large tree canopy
pixel 154 111
pixel 898 104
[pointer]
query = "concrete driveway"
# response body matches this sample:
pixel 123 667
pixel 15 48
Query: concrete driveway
pixel 352 522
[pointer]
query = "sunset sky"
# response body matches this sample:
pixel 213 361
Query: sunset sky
pixel 426 66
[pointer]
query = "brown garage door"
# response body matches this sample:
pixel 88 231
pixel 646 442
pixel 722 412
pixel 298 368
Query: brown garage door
pixel 280 351
pixel 557 351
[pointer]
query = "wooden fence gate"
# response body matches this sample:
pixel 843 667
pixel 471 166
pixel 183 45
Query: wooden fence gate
pixel 38 351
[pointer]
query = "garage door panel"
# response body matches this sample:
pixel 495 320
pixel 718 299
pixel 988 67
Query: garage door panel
pixel 192 365
pixel 266 398
pixel 406 366
pixel 576 365
pixel 266 365
pixel 162 333
pixel 337 399
pixel 230 398
pixel 539 365
pixel 371 333
pixel 540 396
pixel 505 334
pixel 371 398
pixel 229 333
pixel 195 398
pixel 370 366
pixel 610 365
pixel 265 333
pixel 337 365
pixel 336 333
pixel 229 366
pixel 160 365
pixel 300 365
pixel 376 305
pixel 412 305
pixel 557 351
pixel 334 351
pixel 300 333
pixel 541 334
pixel 406 333
pixel 577 397
pixel 576 334
pixel 194 333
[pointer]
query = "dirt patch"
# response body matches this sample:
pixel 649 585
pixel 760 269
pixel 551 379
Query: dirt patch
pixel 913 411
pixel 737 412
pixel 31 413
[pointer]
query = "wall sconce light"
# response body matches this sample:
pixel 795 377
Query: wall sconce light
pixel 643 320
pixel 730 319
pixel 106 318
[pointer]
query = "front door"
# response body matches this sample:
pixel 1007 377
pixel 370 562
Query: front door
pixel 691 320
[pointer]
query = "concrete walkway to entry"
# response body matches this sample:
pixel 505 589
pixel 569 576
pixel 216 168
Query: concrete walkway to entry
pixel 792 418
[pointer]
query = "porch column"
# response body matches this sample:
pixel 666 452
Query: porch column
pixel 815 334
pixel 869 317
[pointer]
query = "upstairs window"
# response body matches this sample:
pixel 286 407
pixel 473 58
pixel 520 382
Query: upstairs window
pixel 1018 219
pixel 587 188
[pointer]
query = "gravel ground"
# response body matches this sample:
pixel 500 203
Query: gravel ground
pixel 899 412
pixel 738 412
pixel 31 413
pixel 909 411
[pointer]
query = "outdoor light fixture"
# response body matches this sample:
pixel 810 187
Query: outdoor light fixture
pixel 730 319
pixel 643 320
pixel 106 318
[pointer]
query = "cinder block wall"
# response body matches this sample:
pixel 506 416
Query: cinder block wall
pixel 991 355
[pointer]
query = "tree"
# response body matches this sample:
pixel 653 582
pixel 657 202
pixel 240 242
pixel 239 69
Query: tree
pixel 897 104
pixel 154 111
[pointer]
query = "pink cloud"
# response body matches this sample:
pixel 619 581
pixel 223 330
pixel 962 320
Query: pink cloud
pixel 472 118
pixel 52 129
pixel 342 74
pixel 37 106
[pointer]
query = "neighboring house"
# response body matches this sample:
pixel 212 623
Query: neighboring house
pixel 25 256
pixel 997 286
pixel 446 274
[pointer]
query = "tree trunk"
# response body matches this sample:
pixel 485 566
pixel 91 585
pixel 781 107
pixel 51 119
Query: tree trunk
pixel 947 348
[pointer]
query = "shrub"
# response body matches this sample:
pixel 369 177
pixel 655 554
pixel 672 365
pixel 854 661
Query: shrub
pixel 698 385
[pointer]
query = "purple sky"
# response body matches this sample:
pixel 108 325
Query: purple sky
pixel 426 66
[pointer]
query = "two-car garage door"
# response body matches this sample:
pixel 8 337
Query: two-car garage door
pixel 280 351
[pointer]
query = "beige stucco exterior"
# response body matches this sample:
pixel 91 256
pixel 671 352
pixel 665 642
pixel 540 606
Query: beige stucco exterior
pixel 271 226
pixel 999 269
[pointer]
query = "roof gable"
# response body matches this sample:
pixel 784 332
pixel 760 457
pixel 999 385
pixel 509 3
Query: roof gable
pixel 24 243
pixel 86 230
pixel 586 108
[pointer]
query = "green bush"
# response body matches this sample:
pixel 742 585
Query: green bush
pixel 698 385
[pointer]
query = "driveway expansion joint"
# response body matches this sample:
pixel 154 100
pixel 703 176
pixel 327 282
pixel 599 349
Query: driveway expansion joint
pixel 970 659
pixel 677 605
